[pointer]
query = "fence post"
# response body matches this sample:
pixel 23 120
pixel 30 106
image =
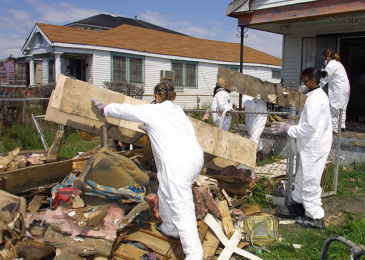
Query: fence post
pixel 290 158
pixel 337 157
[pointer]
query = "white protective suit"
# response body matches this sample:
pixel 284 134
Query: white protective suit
pixel 338 90
pixel 314 141
pixel 179 160
pixel 255 123
pixel 221 102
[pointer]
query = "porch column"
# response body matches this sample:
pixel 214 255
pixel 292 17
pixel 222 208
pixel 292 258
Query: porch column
pixel 57 64
pixel 31 70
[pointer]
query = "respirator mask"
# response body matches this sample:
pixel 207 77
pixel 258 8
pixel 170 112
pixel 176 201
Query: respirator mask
pixel 303 89
pixel 325 62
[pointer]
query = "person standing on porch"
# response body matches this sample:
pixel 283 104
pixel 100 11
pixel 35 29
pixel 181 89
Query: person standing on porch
pixel 338 86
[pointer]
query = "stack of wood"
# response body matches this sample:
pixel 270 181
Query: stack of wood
pixel 13 160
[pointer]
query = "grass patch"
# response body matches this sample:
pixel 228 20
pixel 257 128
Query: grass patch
pixel 313 240
pixel 74 143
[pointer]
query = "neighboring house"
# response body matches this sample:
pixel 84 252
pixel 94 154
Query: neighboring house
pixel 308 28
pixel 138 55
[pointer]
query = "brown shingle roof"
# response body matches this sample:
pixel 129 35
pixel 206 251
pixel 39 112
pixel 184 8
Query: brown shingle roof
pixel 140 39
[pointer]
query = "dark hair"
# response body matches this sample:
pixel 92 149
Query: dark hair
pixel 216 89
pixel 311 72
pixel 328 53
pixel 166 91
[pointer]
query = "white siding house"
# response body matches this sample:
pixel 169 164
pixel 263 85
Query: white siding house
pixel 86 59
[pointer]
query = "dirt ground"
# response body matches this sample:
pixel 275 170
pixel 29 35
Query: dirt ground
pixel 355 130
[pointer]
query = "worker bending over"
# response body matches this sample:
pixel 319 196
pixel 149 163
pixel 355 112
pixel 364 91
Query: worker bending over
pixel 221 102
pixel 179 160
pixel 314 141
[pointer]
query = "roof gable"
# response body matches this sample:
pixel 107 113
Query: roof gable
pixel 151 41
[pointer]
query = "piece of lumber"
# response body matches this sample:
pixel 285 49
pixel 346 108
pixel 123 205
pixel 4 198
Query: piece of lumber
pixel 230 245
pixel 77 110
pixel 54 150
pixel 226 218
pixel 36 203
pixel 251 86
pixel 210 243
pixel 202 230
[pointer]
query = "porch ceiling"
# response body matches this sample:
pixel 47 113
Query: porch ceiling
pixel 310 10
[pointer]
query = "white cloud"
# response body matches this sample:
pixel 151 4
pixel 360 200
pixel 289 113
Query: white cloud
pixel 13 20
pixel 177 25
pixel 11 44
pixel 61 12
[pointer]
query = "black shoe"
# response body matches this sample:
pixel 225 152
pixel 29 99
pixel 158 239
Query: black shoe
pixel 308 222
pixel 296 209
pixel 259 156
pixel 158 228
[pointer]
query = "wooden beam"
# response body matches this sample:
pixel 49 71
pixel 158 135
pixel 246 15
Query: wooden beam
pixel 251 86
pixel 234 6
pixel 75 109
pixel 309 10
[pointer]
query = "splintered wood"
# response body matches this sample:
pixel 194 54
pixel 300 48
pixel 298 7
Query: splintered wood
pixel 70 105
pixel 251 86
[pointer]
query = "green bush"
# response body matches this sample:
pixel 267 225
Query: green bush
pixel 18 135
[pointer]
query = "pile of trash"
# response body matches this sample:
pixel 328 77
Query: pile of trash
pixel 107 206
pixel 14 161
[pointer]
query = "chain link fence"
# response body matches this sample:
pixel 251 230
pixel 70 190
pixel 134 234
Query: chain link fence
pixel 275 158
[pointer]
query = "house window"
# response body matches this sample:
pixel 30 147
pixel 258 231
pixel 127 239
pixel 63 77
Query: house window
pixel 39 40
pixel 232 67
pixel 186 74
pixel 51 72
pixel 127 68
pixel 276 74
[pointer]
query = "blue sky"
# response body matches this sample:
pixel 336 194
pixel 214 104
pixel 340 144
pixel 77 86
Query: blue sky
pixel 199 18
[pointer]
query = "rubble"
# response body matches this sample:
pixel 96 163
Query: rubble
pixel 104 204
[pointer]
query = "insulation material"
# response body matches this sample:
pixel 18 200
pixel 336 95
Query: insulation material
pixel 61 220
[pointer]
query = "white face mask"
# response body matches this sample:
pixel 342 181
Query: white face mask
pixel 325 62
pixel 303 89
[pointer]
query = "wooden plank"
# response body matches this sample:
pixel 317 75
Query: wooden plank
pixel 35 204
pixel 129 252
pixel 53 151
pixel 76 102
pixel 224 144
pixel 226 218
pixel 202 230
pixel 93 126
pixel 210 243
pixel 251 86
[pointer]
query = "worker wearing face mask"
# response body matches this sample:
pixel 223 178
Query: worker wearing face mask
pixel 338 86
pixel 314 140
pixel 221 102
pixel 255 123
pixel 179 160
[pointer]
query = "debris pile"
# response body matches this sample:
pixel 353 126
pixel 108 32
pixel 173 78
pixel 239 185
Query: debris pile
pixel 13 160
pixel 108 206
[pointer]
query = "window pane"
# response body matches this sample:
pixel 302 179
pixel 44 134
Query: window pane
pixel 135 71
pixel 178 80
pixel 51 73
pixel 190 76
pixel 119 69
pixel 276 74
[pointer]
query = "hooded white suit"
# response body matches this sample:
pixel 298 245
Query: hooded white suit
pixel 221 102
pixel 255 123
pixel 338 89
pixel 314 141
pixel 179 159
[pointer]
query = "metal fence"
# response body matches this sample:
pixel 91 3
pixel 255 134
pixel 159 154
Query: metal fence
pixel 275 156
